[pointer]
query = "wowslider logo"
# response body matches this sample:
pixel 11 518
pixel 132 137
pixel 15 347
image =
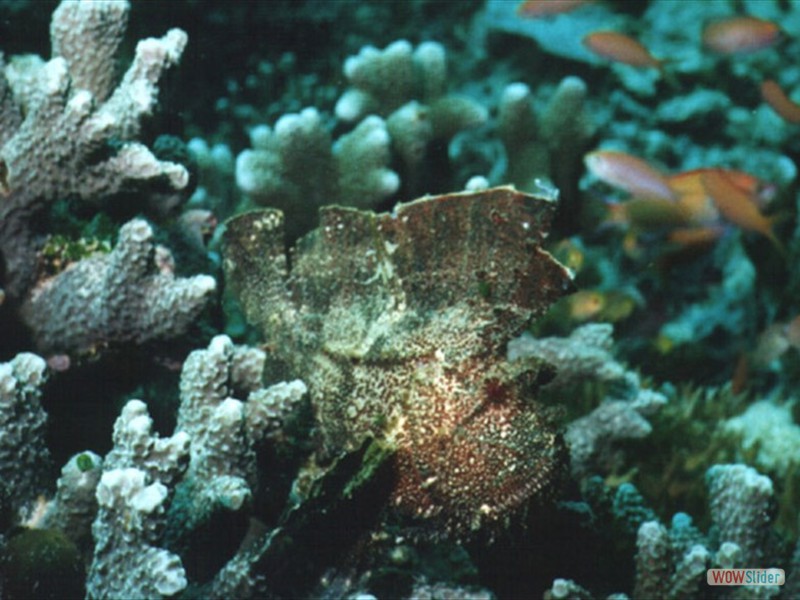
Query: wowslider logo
pixel 745 577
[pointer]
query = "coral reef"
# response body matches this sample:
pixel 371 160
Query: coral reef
pixel 582 386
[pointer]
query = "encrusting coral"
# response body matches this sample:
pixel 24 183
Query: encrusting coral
pixel 127 296
pixel 67 132
pixel 398 324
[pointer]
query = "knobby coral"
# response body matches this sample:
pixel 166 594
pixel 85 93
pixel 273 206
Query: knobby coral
pixel 66 131
pixel 398 324
pixel 121 297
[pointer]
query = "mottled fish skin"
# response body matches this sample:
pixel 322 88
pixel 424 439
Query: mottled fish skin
pixel 398 324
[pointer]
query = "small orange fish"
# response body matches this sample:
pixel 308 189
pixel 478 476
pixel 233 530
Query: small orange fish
pixel 585 304
pixel 688 187
pixel 793 332
pixel 740 35
pixel 695 237
pixel 544 8
pixel 609 306
pixel 647 213
pixel 737 206
pixel 773 95
pixel 621 48
pixel 629 173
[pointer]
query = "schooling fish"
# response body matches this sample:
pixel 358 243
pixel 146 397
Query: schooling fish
pixel 621 48
pixel 737 206
pixel 774 95
pixel 740 35
pixel 544 8
pixel 629 173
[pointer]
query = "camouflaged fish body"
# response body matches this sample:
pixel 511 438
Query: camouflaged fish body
pixel 398 323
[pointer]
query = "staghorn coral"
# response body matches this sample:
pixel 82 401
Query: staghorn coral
pixel 398 324
pixel 112 299
pixel 23 454
pixel 74 506
pixel 224 431
pixel 77 135
pixel 296 167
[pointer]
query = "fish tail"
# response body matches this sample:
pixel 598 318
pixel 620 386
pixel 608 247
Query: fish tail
pixel 770 234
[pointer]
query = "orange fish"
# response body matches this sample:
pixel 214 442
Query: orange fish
pixel 629 173
pixel 773 95
pixel 692 196
pixel 739 35
pixel 737 206
pixel 793 332
pixel 647 213
pixel 695 237
pixel 544 8
pixel 621 48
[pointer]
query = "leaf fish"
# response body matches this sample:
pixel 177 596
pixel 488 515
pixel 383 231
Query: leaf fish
pixel 736 206
pixel 740 35
pixel 621 48
pixel 774 95
pixel 534 9
pixel 629 173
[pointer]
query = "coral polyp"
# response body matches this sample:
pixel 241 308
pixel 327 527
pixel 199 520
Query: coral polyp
pixel 399 322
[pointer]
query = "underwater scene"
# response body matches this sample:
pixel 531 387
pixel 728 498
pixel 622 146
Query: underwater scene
pixel 479 299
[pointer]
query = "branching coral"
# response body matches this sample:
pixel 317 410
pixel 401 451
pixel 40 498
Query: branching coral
pixel 113 299
pixel 23 454
pixel 672 562
pixel 156 492
pixel 296 167
pixel 77 135
pixel 398 324
pixel 547 147
pixel 408 87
